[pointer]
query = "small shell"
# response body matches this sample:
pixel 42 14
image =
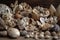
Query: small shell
pixel 53 34
pixel 23 33
pixel 47 34
pixel 13 32
pixel 3 33
pixel 41 35
pixel 23 22
pixel 45 26
pixel 24 6
pixel 56 28
pixel 58 11
pixel 4 9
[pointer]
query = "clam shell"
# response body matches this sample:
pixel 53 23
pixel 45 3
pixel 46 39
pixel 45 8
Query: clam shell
pixel 3 33
pixel 13 32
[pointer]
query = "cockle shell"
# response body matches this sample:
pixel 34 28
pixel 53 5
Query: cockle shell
pixel 3 33
pixel 13 32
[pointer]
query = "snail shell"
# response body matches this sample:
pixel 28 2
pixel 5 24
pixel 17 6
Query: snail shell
pixel 13 32
pixel 3 33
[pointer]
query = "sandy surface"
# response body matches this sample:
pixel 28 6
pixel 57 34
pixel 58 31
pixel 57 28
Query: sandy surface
pixel 21 38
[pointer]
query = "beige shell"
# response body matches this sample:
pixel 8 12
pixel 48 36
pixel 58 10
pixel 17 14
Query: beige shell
pixel 13 32
pixel 45 26
pixel 52 9
pixel 41 35
pixel 3 33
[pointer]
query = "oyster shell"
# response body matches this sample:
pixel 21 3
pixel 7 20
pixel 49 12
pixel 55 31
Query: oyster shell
pixel 3 33
pixel 13 32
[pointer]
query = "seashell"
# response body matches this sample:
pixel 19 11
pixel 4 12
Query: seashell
pixel 56 28
pixel 31 34
pixel 13 32
pixel 47 34
pixel 42 20
pixel 32 21
pixel 24 6
pixel 23 33
pixel 3 25
pixel 52 9
pixel 27 36
pixel 35 14
pixel 23 22
pixel 45 26
pixel 3 33
pixel 55 38
pixel 46 12
pixel 41 35
pixel 4 9
pixel 53 34
pixel 36 35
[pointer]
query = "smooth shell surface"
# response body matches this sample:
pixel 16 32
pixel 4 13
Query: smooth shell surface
pixel 13 32
pixel 3 33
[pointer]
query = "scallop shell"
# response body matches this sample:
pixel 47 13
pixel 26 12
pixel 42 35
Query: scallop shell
pixel 3 33
pixel 13 32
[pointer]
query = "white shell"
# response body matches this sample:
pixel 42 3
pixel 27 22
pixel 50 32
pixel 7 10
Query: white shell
pixel 13 32
pixel 4 9
pixel 3 33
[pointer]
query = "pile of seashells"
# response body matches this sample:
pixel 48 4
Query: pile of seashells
pixel 23 20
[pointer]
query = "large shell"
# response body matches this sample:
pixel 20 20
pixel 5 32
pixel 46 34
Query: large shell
pixel 4 9
pixel 13 32
pixel 3 33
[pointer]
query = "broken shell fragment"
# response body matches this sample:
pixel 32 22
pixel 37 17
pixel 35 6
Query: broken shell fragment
pixel 13 32
pixel 3 33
